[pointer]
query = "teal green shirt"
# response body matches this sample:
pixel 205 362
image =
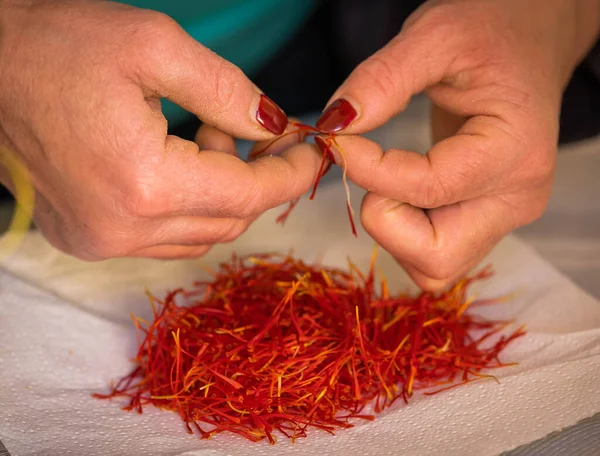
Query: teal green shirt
pixel 245 32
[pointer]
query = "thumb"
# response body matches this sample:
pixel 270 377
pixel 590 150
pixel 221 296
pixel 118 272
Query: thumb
pixel 173 65
pixel 382 86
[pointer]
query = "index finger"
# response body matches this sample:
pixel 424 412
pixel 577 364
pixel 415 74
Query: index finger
pixel 216 184
pixel 169 63
pixel 438 245
pixel 461 167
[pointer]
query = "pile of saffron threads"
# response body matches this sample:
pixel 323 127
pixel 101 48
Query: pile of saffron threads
pixel 274 345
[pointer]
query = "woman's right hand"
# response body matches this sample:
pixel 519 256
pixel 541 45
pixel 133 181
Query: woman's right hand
pixel 80 89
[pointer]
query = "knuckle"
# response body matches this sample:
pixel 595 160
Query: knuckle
pixel 161 21
pixel 451 25
pixel 231 231
pixel 535 209
pixel 533 186
pixel 226 80
pixel 157 27
pixel 431 16
pixel 431 284
pixel 379 74
pixel 246 205
pixel 143 199
pixel 439 265
pixel 153 36
pixel 437 22
pixel 446 17
pixel 540 167
pixel 534 213
pixel 371 214
pixel 433 192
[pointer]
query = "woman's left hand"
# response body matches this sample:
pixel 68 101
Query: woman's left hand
pixel 495 71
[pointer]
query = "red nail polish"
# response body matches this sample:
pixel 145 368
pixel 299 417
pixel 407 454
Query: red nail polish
pixel 270 116
pixel 337 116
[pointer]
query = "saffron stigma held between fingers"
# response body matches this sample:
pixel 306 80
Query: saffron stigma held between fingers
pixel 326 144
pixel 274 346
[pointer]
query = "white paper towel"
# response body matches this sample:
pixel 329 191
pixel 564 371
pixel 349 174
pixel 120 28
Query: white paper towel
pixel 65 332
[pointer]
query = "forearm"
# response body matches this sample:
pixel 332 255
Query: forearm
pixel 580 21
pixel 588 21
pixel 594 60
pixel 591 34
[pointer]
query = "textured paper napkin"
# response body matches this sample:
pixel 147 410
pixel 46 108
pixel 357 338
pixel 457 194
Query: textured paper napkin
pixel 65 332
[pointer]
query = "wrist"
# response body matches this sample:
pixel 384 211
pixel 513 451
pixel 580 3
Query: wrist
pixel 581 19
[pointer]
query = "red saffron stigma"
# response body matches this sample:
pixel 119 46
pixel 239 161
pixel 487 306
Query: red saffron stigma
pixel 304 131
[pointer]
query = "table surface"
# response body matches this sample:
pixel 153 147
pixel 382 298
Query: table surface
pixel 567 236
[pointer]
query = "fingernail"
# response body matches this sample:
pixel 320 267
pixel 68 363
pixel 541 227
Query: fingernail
pixel 325 150
pixel 270 116
pixel 337 116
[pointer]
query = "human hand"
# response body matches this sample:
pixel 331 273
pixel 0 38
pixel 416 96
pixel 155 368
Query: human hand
pixel 81 83
pixel 495 71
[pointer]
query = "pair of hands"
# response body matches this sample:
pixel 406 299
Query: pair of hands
pixel 80 86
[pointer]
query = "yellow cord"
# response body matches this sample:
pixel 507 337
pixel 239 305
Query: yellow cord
pixel 24 194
